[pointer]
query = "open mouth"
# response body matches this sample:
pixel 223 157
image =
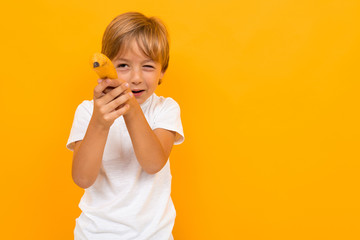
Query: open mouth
pixel 137 91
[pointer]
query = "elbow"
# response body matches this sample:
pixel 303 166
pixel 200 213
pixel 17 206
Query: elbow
pixel 82 178
pixel 83 182
pixel 153 169
pixel 83 185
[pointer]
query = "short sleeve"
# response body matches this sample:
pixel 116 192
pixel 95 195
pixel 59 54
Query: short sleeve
pixel 80 124
pixel 169 118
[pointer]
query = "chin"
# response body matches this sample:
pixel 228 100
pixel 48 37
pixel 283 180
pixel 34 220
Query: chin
pixel 140 101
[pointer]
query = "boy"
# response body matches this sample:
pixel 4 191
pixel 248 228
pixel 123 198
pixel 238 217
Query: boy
pixel 122 139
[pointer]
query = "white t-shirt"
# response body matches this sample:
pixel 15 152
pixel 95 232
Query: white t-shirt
pixel 125 202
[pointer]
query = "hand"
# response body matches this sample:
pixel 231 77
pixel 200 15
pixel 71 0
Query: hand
pixel 110 101
pixel 114 83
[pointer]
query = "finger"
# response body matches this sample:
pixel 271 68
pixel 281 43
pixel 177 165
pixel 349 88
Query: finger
pixel 116 82
pixel 118 102
pixel 100 88
pixel 108 89
pixel 114 93
pixel 119 112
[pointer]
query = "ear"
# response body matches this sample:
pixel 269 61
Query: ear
pixel 161 77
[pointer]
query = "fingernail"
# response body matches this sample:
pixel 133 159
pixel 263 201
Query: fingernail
pixel 126 85
pixel 131 94
pixel 99 80
pixel 108 81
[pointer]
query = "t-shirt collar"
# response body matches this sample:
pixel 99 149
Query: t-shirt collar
pixel 147 102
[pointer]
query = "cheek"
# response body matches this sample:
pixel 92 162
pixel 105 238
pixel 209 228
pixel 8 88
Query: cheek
pixel 152 82
pixel 123 75
pixel 153 76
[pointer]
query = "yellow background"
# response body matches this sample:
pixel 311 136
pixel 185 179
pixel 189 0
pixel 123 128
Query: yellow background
pixel 269 92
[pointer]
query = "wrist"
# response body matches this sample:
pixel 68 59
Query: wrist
pixel 134 109
pixel 98 127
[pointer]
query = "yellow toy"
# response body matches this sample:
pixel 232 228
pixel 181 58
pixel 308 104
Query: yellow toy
pixel 103 66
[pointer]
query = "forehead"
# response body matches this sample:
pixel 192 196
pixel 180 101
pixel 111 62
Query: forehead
pixel 132 50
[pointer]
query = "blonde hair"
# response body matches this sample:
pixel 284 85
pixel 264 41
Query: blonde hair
pixel 149 33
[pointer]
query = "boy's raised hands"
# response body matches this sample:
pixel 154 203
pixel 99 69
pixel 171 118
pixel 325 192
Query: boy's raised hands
pixel 111 100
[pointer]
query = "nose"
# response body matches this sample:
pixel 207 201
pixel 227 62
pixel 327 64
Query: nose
pixel 136 77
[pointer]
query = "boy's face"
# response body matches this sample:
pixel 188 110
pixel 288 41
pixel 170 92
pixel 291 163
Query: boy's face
pixel 141 73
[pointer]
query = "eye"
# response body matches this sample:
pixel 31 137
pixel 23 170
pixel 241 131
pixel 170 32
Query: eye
pixel 149 66
pixel 122 65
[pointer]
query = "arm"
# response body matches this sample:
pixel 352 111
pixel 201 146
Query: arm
pixel 87 156
pixel 152 147
pixel 88 152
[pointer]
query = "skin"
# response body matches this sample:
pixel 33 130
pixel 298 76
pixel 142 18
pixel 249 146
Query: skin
pixel 113 98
